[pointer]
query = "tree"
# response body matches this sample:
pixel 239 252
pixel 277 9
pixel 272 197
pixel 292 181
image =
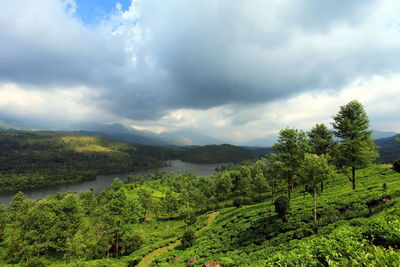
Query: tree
pixel 281 207
pixel 188 238
pixel 224 186
pixel 146 200
pixel 188 215
pixel 356 148
pixel 75 247
pixel 274 170
pixel 396 165
pixel 130 241
pixel 314 170
pixel 321 141
pixel 292 145
pixel 169 203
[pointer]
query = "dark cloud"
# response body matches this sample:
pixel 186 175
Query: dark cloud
pixel 196 54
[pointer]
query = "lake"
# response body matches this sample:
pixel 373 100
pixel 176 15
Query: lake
pixel 103 181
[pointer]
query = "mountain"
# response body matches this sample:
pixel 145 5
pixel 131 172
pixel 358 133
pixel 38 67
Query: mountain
pixel 266 141
pixel 188 137
pixel 382 134
pixel 128 134
pixel 13 125
pixel 389 149
pixel 120 132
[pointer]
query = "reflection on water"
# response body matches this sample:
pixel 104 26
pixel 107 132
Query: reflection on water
pixel 103 181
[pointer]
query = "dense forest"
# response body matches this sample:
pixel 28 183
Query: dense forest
pixel 317 201
pixel 30 160
pixel 36 159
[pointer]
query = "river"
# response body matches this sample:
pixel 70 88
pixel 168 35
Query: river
pixel 103 181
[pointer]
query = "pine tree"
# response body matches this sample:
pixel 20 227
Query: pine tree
pixel 292 145
pixel 356 148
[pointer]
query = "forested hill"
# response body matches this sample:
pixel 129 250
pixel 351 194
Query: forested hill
pixel 36 159
pixel 222 153
pixel 30 160
pixel 389 149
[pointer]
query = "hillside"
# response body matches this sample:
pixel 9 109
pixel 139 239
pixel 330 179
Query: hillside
pixel 389 149
pixel 354 228
pixel 37 159
pixel 222 153
pixel 30 160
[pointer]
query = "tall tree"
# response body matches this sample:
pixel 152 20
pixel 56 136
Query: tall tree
pixel 321 142
pixel 292 145
pixel 274 169
pixel 356 148
pixel 314 169
pixel 169 203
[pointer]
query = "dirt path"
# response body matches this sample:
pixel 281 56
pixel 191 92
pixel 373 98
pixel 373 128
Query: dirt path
pixel 155 253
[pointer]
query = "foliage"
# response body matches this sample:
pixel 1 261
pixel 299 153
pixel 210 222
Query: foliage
pixel 29 160
pixel 321 139
pixel 188 238
pixel 396 165
pixel 292 145
pixel 356 149
pixel 314 170
pixel 281 207
pixel 222 153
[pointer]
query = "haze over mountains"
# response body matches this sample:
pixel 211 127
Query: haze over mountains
pixel 182 137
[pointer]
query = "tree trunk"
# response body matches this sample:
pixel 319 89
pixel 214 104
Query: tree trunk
pixel 322 186
pixel 353 177
pixel 315 204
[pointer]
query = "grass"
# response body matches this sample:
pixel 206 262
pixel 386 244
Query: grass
pixel 133 193
pixel 146 261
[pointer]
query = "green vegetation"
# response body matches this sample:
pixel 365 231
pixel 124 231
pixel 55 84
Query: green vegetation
pixel 30 160
pixel 356 149
pixel 250 214
pixel 222 153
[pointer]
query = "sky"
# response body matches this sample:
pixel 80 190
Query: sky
pixel 235 70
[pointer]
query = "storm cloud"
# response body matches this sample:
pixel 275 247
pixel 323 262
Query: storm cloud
pixel 161 56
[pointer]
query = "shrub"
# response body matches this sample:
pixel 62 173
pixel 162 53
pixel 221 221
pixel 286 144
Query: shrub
pixel 281 207
pixel 396 165
pixel 188 238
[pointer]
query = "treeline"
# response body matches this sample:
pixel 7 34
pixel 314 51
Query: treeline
pixel 69 226
pixel 29 160
pixel 222 154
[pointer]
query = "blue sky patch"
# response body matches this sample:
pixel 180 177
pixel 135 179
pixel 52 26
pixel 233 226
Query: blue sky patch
pixel 91 12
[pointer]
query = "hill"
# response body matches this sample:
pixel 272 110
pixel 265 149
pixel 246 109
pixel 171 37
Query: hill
pixel 222 153
pixel 37 159
pixel 139 225
pixel 389 149
pixel 120 132
pixel 186 137
pixel 30 159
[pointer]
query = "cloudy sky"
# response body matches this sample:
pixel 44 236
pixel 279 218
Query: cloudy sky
pixel 232 69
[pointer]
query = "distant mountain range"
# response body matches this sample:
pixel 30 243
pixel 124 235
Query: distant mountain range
pixel 183 137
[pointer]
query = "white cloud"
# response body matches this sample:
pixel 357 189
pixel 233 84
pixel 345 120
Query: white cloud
pixel 380 97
